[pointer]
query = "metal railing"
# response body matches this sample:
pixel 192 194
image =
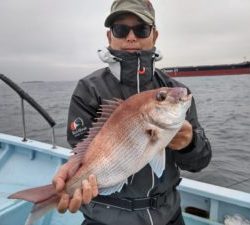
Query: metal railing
pixel 25 96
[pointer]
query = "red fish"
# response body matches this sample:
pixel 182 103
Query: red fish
pixel 128 135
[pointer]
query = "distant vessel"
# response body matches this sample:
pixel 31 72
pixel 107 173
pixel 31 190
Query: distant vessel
pixel 209 70
pixel 32 82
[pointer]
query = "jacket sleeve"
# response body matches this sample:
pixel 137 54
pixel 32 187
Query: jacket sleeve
pixel 198 154
pixel 82 112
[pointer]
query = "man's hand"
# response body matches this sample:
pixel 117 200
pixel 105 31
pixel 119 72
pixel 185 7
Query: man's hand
pixel 183 138
pixel 81 195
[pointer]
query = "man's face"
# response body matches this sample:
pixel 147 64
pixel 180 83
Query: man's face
pixel 131 43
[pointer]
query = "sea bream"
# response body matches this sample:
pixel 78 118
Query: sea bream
pixel 128 135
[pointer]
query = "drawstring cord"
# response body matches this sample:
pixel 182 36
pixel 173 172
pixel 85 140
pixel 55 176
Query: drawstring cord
pixel 138 74
pixel 138 71
pixel 153 64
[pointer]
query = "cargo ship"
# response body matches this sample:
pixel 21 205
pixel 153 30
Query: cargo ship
pixel 209 70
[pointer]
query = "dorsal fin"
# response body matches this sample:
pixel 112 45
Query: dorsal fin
pixel 105 110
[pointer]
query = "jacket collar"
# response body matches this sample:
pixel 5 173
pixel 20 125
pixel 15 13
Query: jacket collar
pixel 133 69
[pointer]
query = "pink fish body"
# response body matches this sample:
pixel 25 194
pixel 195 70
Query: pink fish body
pixel 128 135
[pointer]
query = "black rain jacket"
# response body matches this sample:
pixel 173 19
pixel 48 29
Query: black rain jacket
pixel 103 84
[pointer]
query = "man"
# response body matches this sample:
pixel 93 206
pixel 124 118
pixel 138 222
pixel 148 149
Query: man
pixel 131 55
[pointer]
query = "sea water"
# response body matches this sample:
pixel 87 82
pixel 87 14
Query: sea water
pixel 223 107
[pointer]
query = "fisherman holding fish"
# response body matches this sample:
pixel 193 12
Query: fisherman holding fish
pixel 127 169
pixel 131 56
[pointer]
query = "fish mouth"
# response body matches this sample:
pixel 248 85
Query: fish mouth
pixel 186 98
pixel 167 126
pixel 175 95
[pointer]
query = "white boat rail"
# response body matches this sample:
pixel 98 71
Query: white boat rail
pixel 25 96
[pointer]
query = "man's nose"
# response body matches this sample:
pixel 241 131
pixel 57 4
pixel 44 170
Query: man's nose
pixel 131 36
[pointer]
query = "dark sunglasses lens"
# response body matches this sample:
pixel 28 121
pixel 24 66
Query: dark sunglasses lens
pixel 142 30
pixel 120 30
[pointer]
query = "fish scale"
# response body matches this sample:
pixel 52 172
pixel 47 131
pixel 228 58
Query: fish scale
pixel 108 172
pixel 128 156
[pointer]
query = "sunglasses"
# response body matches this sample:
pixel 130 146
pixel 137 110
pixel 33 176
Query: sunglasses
pixel 122 30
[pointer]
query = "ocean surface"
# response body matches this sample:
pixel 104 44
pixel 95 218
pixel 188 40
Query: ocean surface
pixel 223 105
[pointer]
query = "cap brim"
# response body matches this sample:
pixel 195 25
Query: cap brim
pixel 110 19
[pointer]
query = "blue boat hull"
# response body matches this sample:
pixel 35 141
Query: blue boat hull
pixel 31 163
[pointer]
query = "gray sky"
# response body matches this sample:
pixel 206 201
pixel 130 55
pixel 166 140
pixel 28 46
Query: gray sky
pixel 58 39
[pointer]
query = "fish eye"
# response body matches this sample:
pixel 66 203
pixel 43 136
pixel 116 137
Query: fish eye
pixel 161 96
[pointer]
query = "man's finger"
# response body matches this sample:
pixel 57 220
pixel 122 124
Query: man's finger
pixel 59 184
pixel 63 203
pixel 86 192
pixel 93 184
pixel 76 201
pixel 60 178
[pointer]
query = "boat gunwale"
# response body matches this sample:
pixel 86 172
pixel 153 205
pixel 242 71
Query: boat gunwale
pixel 30 144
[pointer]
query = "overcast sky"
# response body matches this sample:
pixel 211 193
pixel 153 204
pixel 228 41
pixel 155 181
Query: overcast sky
pixel 58 39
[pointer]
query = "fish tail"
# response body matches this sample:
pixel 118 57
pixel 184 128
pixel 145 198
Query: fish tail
pixel 44 198
pixel 39 209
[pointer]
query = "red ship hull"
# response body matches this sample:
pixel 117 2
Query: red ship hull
pixel 216 70
pixel 209 73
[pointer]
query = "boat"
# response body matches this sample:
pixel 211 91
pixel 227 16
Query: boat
pixel 26 163
pixel 209 70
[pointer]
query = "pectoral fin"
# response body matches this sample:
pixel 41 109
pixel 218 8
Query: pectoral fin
pixel 153 134
pixel 113 189
pixel 158 163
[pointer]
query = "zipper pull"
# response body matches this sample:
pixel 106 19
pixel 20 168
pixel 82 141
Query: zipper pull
pixel 142 70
